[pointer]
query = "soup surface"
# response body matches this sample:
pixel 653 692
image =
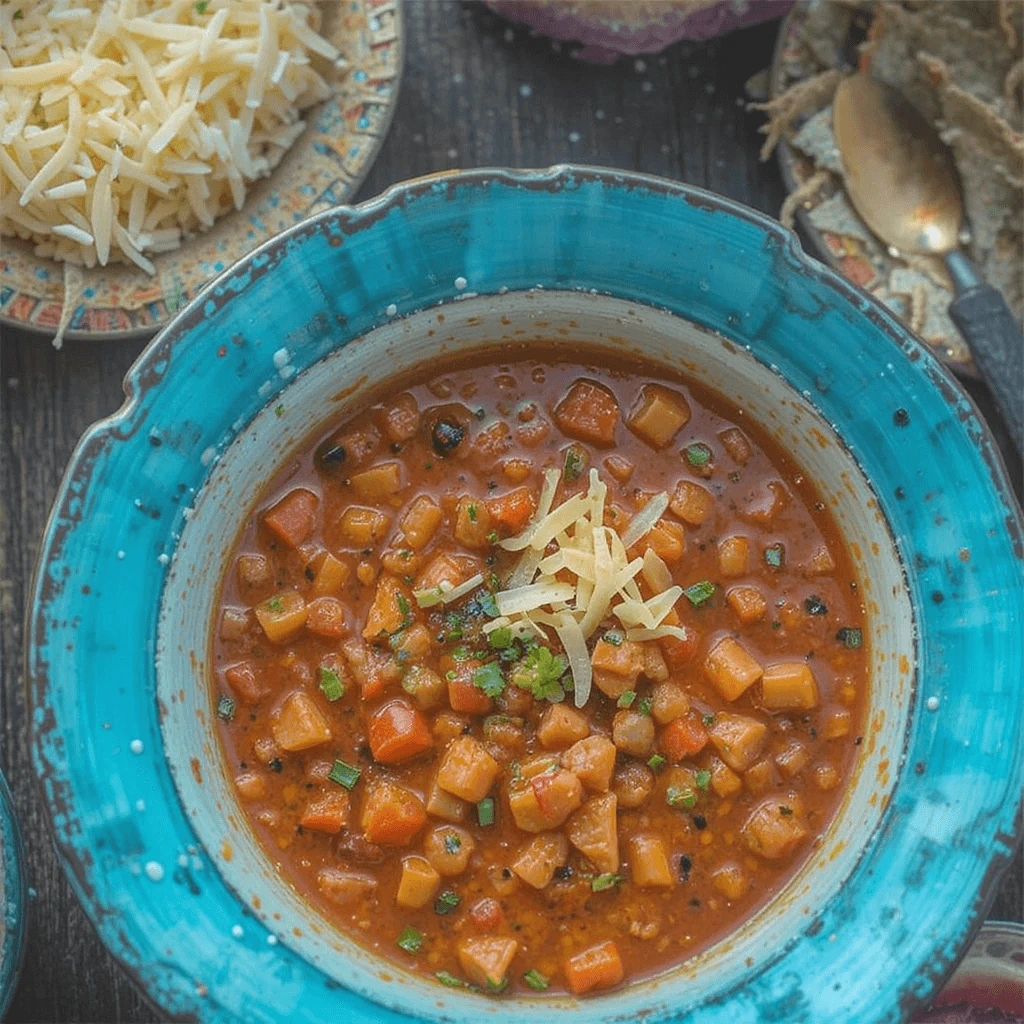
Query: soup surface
pixel 540 675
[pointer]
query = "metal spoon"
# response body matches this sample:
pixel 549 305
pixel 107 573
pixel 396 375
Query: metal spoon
pixel 902 181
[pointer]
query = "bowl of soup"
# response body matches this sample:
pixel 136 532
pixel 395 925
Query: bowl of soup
pixel 535 594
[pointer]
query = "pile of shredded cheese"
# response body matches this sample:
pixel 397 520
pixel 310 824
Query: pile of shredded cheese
pixel 588 578
pixel 127 124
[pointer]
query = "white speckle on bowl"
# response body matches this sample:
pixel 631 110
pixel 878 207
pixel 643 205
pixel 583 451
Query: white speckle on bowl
pixel 932 703
pixel 136 746
pixel 599 114
pixel 647 87
pixel 182 860
pixel 503 290
pixel 453 153
pixel 140 806
pixel 197 864
pixel 526 90
pixel 281 357
pixel 163 558
pixel 458 78
pixel 460 283
pixel 264 389
pixel 237 931
pixel 134 869
pixel 509 35
pixel 208 455
pixel 574 137
pixel 154 871
pixel 271 940
pixel 286 371
pixel 32 893
pixel 391 310
pixel 639 66
pixel 120 556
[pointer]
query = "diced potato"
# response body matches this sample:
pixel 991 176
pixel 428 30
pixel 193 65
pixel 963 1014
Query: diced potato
pixel 669 702
pixel 536 862
pixel 366 572
pixel 506 732
pixel 449 849
pixel 445 806
pixel 445 568
pixel 625 658
pixel 836 723
pixel 826 776
pixel 734 556
pixel 391 814
pixel 448 726
pixel 593 830
pixel 633 784
pixel 561 726
pixel 731 668
pixel 299 724
pixel 592 761
pixel 391 608
pixel 362 527
pixel 633 733
pixel 789 686
pixel 792 759
pixel 345 450
pixel 251 785
pixel 766 503
pixel 472 523
pixel 345 888
pixel 418 883
pixel 692 503
pixel 748 603
pixel 331 574
pixel 774 829
pixel 611 685
pixel 544 801
pixel 738 739
pixel 425 687
pixel 821 563
pixel 724 781
pixel 619 467
pixel 667 540
pixel 486 959
pixel 588 412
pixel 731 881
pixel 420 522
pixel 282 616
pixel 655 666
pixel 759 777
pixel 658 414
pixel 516 470
pixel 491 443
pixel 735 442
pixel 326 618
pixel 327 813
pixel 378 483
pixel 467 770
pixel 597 967
pixel 293 519
pixel 648 863
pixel 401 419
pixel 253 571
pixel 246 682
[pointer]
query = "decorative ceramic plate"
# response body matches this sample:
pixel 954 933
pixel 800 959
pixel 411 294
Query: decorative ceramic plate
pixel 323 168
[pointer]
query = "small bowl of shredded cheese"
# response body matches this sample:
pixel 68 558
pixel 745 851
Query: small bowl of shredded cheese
pixel 130 129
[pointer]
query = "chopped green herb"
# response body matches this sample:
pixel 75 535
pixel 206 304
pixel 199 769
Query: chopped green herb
pixel 699 592
pixel 537 981
pixel 656 762
pixel 446 902
pixel 703 779
pixel 485 811
pixel 202 5
pixel 403 604
pixel 333 688
pixel 606 881
pixel 492 537
pixel 344 774
pixel 575 462
pixel 541 673
pixel 626 699
pixel 452 843
pixel 18 15
pixel 497 988
pixel 677 796
pixel 487 604
pixel 613 637
pixel 850 637
pixel 279 409
pixel 275 604
pixel 449 979
pixel 709 719
pixel 645 706
pixel 411 940
pixel 775 556
pixel 516 770
pixel 471 512
pixel 489 678
pixel 462 653
pixel 226 709
pixel 815 605
pixel 698 454
pixel 500 638
pixel 776 624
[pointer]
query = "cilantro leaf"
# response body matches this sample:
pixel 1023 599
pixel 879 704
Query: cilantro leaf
pixel 489 679
pixel 541 672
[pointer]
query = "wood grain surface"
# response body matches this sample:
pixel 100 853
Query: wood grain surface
pixel 476 92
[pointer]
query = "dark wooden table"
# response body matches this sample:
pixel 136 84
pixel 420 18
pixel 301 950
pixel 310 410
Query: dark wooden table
pixel 476 92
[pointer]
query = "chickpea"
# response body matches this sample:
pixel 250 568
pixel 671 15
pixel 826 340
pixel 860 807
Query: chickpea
pixel 448 849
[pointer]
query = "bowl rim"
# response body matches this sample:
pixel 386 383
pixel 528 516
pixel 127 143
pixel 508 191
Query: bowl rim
pixel 147 372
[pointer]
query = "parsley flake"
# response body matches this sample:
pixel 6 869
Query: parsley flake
pixel 331 685
pixel 537 981
pixel 344 774
pixel 606 881
pixel 411 940
pixel 489 679
pixel 699 592
pixel 446 902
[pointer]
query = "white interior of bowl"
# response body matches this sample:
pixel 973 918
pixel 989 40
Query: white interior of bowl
pixel 235 483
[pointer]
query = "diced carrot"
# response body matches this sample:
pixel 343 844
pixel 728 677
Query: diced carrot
pixel 293 519
pixel 486 915
pixel 362 526
pixel 513 510
pixel 299 724
pixel 402 419
pixel 446 568
pixel 398 732
pixel 391 814
pixel 619 467
pixel 666 539
pixel 328 813
pixel 282 616
pixel 246 682
pixel 391 609
pixel 326 618
pixel 677 650
pixel 331 574
pixel 467 770
pixel 595 968
pixel 747 602
pixel 683 737
pixel 463 695
pixel 624 658
pixel 731 668
pixel 692 503
pixel 735 442
pixel 366 667
pixel 420 522
pixel 588 412
pixel 378 483
pixel 658 414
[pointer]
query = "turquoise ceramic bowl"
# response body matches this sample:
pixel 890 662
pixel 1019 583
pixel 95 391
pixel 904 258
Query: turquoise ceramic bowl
pixel 145 818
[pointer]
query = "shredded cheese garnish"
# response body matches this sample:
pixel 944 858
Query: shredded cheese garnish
pixel 446 593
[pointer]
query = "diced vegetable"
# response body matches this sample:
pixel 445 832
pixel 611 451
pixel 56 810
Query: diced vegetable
pixel 625 658
pixel 619 467
pixel 821 563
pixel 326 617
pixel 344 774
pixel 731 881
pixel 485 812
pixel 282 616
pixel 546 800
pixel 345 888
pixel 234 623
pixel 377 483
pixel 592 761
pixel 397 733
pixel 448 849
pixel 420 522
pixel 537 981
pixel 447 902
pixel 253 571
pixel 836 723
pixel 734 555
pixel 401 419
pixel 365 668
pixel 514 510
pixel 633 784
pixel 648 862
pixel 299 724
pixel 330 574
pixel 593 830
pixel 633 732
pixel 347 448
pixel 724 781
pixel 410 939
pixel 561 726
pixel 293 519
pixel 536 862
pixel 759 777
pixel 486 959
pixel 251 786
pixel 467 770
pixel 667 540
pixel 748 603
pixel 246 681
pixel 658 414
pixel 328 813
pixel 362 527
pixel 598 967
pixel 735 442
pixel 413 643
pixel 738 739
pixel 486 915
pixel 472 523
pixel 491 443
pixel 792 759
pixel 774 829
pixel 425 687
pixel 766 503
pixel 669 702
pixel 464 695
pixel 391 814
pixel 418 884
pixel 391 608
pixel 692 503
pixel 683 737
pixel 588 412
pixel 789 686
pixel 441 804
pixel 678 651
pixel 731 668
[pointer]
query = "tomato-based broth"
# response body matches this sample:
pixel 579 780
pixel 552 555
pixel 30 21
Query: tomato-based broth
pixel 542 674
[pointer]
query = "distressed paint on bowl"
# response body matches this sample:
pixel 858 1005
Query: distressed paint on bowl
pixel 933 816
